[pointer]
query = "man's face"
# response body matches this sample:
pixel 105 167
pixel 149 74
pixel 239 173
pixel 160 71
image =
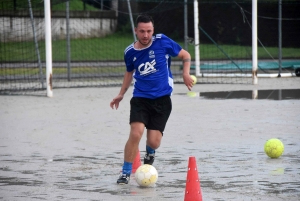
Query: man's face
pixel 144 32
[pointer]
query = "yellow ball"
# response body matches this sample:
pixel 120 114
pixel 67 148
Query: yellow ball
pixel 194 79
pixel 274 148
pixel 192 94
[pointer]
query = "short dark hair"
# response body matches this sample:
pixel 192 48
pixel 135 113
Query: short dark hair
pixel 144 18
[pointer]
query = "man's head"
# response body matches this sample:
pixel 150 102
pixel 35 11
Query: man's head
pixel 144 29
pixel 144 18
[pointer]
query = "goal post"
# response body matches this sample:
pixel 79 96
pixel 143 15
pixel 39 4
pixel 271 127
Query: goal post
pixel 254 42
pixel 197 41
pixel 48 44
pixel 254 45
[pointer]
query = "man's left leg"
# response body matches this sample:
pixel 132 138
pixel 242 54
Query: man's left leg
pixel 153 142
pixel 161 110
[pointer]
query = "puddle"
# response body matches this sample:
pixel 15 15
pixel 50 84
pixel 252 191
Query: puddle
pixel 279 94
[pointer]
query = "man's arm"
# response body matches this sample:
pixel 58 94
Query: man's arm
pixel 186 62
pixel 126 84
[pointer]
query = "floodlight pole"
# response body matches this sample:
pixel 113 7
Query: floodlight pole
pixel 132 24
pixel 36 45
pixel 280 37
pixel 185 26
pixel 68 39
pixel 254 42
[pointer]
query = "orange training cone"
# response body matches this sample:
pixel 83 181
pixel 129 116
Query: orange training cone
pixel 137 162
pixel 192 188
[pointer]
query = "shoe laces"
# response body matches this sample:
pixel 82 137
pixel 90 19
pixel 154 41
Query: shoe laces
pixel 124 176
pixel 148 156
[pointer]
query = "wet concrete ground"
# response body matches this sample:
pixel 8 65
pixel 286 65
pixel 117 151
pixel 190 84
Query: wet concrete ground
pixel 70 147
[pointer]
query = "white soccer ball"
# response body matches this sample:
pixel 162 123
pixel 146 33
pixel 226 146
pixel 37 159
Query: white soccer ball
pixel 146 175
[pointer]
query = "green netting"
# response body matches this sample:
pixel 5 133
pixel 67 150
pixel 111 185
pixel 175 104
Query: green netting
pixel 100 31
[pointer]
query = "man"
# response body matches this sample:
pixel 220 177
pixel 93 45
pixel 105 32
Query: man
pixel 148 65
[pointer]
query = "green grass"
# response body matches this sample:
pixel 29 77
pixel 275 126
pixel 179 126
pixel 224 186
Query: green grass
pixel 112 48
pixel 60 70
pixel 74 5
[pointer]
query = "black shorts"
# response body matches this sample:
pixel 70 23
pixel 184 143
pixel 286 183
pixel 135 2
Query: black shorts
pixel 154 113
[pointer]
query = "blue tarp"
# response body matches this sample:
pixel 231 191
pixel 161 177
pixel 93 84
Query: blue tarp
pixel 248 65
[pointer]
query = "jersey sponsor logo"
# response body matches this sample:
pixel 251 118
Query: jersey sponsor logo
pixel 134 58
pixel 147 68
pixel 151 54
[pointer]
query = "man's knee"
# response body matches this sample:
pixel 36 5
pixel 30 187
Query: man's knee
pixel 154 139
pixel 154 145
pixel 136 131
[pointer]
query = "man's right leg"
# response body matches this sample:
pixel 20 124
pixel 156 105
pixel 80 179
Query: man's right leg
pixel 130 151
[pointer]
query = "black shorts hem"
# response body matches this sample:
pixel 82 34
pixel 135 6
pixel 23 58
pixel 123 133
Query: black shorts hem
pixel 154 113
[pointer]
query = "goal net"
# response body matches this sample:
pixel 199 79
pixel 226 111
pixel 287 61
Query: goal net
pixel 89 38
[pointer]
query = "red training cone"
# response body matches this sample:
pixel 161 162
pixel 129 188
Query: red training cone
pixel 192 188
pixel 137 162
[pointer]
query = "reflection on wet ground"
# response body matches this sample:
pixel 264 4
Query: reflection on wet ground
pixel 280 94
pixel 64 178
pixel 51 152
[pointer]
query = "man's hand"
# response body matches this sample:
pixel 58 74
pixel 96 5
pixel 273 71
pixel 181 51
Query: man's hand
pixel 188 81
pixel 115 102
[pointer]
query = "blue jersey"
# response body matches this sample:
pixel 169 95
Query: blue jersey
pixel 152 77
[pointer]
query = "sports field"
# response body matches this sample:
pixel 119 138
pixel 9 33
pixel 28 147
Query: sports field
pixel 70 147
